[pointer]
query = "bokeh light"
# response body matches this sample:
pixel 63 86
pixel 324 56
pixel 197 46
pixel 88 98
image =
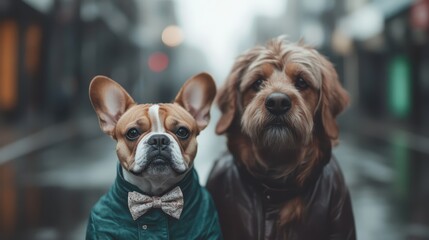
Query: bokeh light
pixel 172 36
pixel 158 62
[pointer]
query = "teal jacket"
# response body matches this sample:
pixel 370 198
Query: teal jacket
pixel 111 219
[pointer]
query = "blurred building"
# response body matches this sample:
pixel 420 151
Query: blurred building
pixel 388 47
pixel 51 50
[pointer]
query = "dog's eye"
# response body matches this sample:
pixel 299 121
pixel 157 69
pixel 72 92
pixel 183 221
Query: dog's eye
pixel 182 133
pixel 132 134
pixel 257 85
pixel 300 83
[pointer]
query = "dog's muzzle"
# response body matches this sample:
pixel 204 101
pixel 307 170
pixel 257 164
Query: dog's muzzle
pixel 159 152
pixel 278 103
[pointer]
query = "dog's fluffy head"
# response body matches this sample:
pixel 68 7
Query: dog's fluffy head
pixel 311 85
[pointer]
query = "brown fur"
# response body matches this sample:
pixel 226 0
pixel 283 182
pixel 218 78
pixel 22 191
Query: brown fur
pixel 309 129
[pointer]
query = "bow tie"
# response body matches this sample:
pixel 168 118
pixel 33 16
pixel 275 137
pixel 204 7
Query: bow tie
pixel 171 203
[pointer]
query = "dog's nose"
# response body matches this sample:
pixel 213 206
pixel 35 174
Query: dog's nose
pixel 158 140
pixel 278 103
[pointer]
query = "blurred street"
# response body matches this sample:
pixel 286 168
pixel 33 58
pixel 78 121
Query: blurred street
pixel 53 189
pixel 55 162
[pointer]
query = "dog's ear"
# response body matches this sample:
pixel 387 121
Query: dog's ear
pixel 196 96
pixel 227 101
pixel 227 97
pixel 110 101
pixel 334 99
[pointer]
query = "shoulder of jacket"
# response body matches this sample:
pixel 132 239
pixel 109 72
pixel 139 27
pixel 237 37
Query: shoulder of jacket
pixel 223 164
pixel 332 179
pixel 223 171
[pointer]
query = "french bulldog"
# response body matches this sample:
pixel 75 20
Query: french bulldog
pixel 156 194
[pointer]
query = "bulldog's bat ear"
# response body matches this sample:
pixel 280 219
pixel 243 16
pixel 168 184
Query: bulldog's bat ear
pixel 196 96
pixel 110 101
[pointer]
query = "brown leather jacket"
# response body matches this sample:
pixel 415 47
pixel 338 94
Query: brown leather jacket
pixel 248 210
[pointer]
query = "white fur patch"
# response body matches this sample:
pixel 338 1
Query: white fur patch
pixel 157 126
pixel 143 146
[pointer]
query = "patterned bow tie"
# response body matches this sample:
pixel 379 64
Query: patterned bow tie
pixel 171 203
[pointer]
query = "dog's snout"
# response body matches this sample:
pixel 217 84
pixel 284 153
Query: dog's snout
pixel 278 103
pixel 159 140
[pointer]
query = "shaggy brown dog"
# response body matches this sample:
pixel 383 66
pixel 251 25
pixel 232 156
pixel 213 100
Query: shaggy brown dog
pixel 278 106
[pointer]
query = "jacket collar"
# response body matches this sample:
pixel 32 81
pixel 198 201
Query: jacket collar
pixel 274 192
pixel 121 187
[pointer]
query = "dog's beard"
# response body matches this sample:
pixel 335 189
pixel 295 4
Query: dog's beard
pixel 277 133
pixel 276 137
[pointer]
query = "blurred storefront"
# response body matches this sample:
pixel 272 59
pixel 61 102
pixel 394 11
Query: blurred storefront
pixel 51 49
pixel 384 47
pixel 392 80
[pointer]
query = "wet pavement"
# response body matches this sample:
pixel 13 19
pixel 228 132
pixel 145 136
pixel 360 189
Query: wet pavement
pixel 48 194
